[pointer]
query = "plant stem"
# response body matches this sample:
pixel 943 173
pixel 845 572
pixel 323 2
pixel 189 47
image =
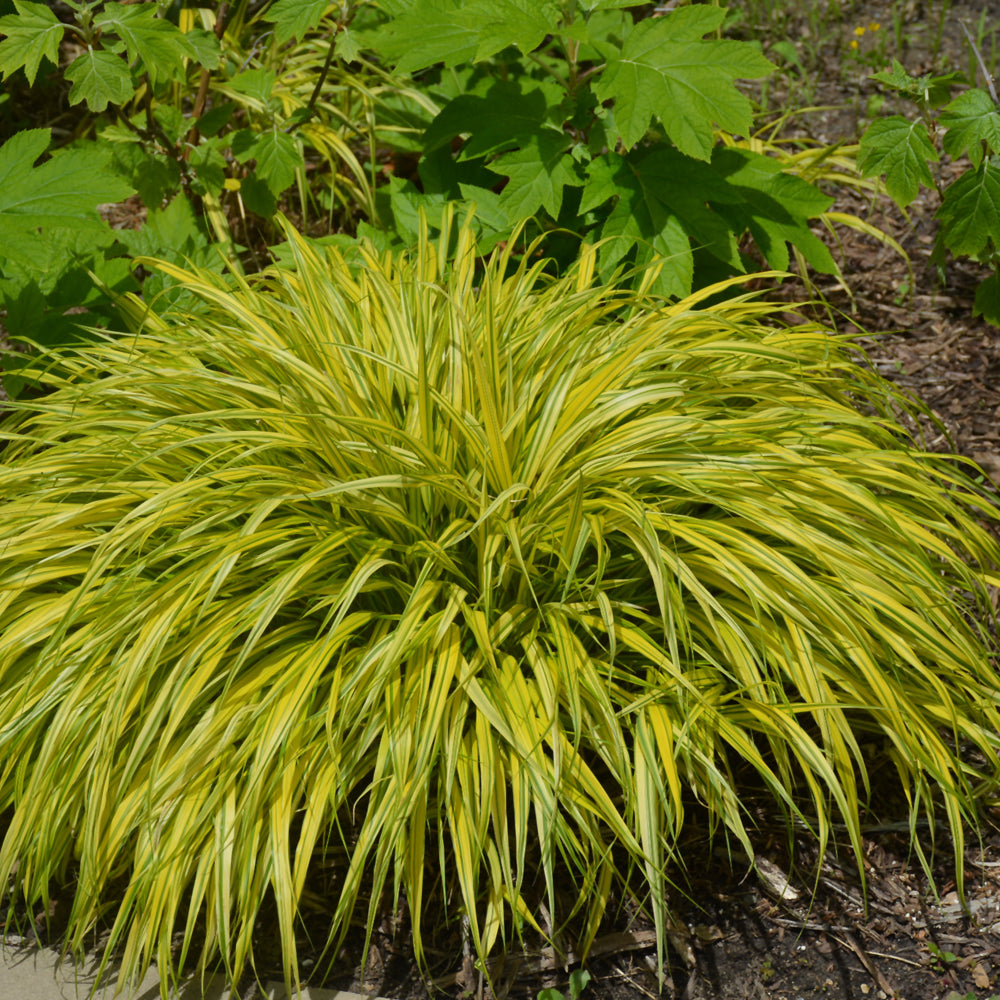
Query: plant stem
pixel 202 98
pixel 535 58
pixel 982 62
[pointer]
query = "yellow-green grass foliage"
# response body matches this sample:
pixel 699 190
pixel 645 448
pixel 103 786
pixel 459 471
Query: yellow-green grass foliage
pixel 414 560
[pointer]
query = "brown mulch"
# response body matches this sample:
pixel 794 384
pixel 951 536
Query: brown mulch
pixel 924 337
pixel 918 328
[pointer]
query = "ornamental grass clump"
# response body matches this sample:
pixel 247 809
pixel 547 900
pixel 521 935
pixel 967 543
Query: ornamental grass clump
pixel 414 561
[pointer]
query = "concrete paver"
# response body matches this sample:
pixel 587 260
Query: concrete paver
pixel 29 973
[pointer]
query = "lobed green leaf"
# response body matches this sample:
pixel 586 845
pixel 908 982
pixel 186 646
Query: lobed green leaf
pixel 295 18
pixel 666 72
pixel 772 204
pixel 63 191
pixel 973 126
pixel 987 302
pixel 457 31
pixel 496 115
pixel 932 91
pixel 278 156
pixel 32 34
pixel 900 149
pixel 970 210
pixel 99 78
pixel 667 204
pixel 160 46
pixel 537 173
pixel 254 84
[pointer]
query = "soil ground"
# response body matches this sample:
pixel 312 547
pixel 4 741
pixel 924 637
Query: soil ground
pixel 743 935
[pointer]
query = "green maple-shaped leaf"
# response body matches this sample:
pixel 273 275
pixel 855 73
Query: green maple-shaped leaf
pixel 435 33
pixel 930 90
pixel 775 207
pixel 972 119
pixel 458 31
pixel 503 114
pixel 348 45
pixel 43 258
pixel 277 155
pixel 666 71
pixel 899 80
pixel 970 211
pixel 99 78
pixel 63 192
pixel 538 172
pixel 205 47
pixel 640 220
pixel 659 193
pixel 33 34
pixel 524 23
pixel 160 45
pixel 665 180
pixel 659 209
pixel 604 181
pixel 293 18
pixel 900 149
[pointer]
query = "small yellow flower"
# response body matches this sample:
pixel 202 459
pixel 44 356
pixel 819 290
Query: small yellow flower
pixel 874 26
pixel 231 184
pixel 860 30
pixel 854 43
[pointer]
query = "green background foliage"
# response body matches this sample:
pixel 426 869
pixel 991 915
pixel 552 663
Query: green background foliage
pixel 595 120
